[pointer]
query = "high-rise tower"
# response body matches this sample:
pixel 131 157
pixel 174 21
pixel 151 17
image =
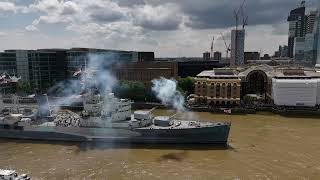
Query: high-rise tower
pixel 237 47
pixel 297 26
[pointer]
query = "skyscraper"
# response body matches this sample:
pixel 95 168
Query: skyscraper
pixel 237 47
pixel 311 18
pixel 297 26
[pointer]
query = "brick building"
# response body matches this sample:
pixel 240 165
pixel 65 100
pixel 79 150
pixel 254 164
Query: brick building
pixel 146 71
pixel 218 87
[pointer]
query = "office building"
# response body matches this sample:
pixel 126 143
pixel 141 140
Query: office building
pixel 79 57
pixel 192 68
pixel 39 68
pixel 251 56
pixel 8 64
pixel 284 51
pixel 47 67
pixel 297 27
pixel 265 57
pixel 310 23
pixel 310 49
pixel 145 71
pixel 299 47
pixel 43 68
pixel 309 52
pixel 206 56
pixel 217 56
pixel 237 47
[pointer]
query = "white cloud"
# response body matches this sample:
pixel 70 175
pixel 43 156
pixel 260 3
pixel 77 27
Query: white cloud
pixel 161 17
pixel 46 6
pixel 70 7
pixel 2 33
pixel 7 7
pixel 31 28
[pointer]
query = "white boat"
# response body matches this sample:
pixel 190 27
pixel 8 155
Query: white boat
pixel 12 175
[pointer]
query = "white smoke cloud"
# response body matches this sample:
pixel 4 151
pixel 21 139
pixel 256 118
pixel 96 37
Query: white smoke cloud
pixel 99 65
pixel 96 75
pixel 166 91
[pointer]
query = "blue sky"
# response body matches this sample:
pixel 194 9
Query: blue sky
pixel 167 27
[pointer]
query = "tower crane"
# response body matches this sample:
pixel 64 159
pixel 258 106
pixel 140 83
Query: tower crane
pixel 228 48
pixel 244 16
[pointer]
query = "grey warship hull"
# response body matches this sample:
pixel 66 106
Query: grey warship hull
pixel 207 135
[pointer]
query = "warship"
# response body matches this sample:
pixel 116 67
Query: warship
pixel 104 118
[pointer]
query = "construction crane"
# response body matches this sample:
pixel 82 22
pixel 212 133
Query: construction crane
pixel 244 16
pixel 228 48
pixel 238 12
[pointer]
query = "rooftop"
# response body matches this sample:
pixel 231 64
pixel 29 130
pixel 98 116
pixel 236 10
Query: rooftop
pixel 218 73
pixel 282 71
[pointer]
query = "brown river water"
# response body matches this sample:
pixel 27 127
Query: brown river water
pixel 261 146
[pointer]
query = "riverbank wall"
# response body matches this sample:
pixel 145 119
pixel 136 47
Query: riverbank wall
pixel 287 111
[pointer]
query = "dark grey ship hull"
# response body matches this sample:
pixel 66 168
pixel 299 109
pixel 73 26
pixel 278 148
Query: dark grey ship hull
pixel 209 135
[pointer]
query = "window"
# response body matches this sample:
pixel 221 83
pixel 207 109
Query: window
pixel 218 90
pixel 234 90
pixel 229 91
pixel 223 90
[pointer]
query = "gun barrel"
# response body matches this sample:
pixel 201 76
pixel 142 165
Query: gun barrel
pixel 153 109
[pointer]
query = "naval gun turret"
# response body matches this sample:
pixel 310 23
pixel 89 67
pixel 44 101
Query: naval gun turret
pixel 164 121
pixel 142 118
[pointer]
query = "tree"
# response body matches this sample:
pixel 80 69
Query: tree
pixel 133 90
pixel 186 85
pixel 24 87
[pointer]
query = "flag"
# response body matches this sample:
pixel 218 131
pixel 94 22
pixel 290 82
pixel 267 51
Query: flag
pixel 2 77
pixel 227 111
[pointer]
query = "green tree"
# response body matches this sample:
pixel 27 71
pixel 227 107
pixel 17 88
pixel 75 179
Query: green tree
pixel 133 90
pixel 186 85
pixel 24 87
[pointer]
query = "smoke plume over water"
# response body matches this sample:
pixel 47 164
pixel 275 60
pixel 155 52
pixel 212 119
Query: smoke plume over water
pixel 166 91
